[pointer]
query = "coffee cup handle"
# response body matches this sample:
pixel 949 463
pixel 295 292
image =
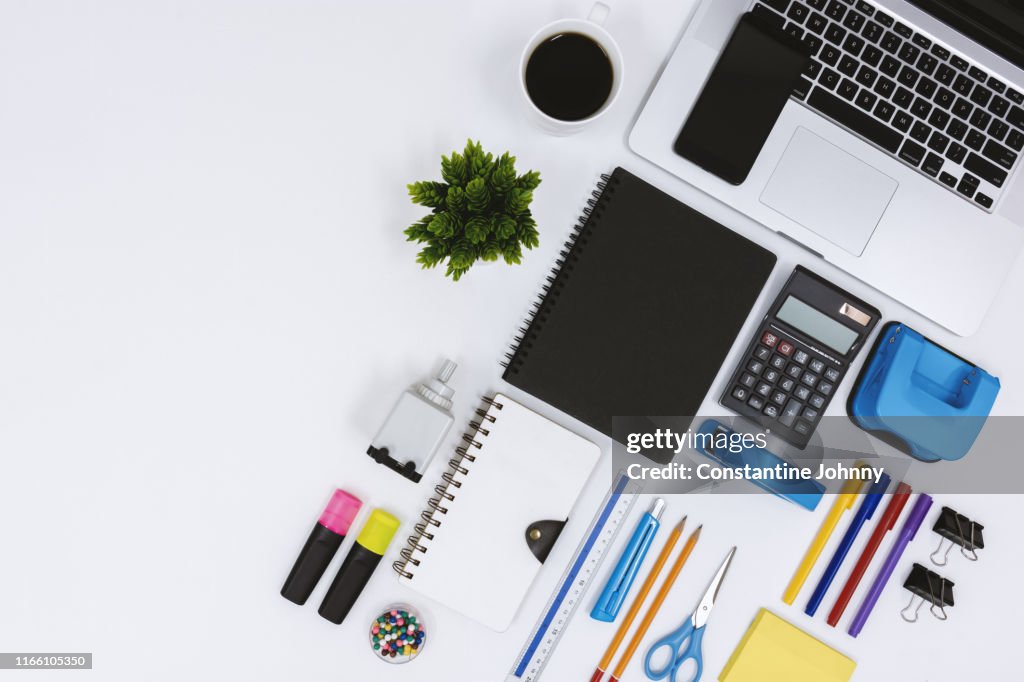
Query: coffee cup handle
pixel 599 13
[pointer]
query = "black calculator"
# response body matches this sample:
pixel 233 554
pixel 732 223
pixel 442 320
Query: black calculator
pixel 800 353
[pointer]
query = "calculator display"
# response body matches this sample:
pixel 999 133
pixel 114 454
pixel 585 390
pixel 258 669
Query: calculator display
pixel 817 325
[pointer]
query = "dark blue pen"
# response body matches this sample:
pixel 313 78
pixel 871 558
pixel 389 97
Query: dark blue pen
pixel 864 512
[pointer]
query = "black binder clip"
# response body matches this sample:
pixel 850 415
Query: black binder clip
pixel 930 587
pixel 957 529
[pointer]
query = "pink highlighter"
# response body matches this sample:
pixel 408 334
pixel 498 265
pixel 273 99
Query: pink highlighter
pixel 322 545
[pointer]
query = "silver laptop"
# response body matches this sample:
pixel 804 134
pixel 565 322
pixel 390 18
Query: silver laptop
pixel 897 157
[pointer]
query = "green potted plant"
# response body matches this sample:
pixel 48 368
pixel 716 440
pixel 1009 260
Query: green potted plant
pixel 480 212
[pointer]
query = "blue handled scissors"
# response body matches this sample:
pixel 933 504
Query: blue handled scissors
pixel 685 643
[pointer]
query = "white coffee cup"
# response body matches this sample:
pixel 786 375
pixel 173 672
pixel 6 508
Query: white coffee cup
pixel 592 28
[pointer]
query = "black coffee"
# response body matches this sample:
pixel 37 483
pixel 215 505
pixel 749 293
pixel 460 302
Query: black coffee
pixel 569 77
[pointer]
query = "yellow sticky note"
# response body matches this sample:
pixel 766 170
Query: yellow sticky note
pixel 773 650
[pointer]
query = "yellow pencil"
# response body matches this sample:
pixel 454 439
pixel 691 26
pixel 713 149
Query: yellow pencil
pixel 843 502
pixel 652 611
pixel 638 601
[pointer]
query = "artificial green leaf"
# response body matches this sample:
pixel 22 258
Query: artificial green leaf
pixel 477 195
pixel 428 193
pixel 454 169
pixel 504 227
pixel 456 199
pixel 477 228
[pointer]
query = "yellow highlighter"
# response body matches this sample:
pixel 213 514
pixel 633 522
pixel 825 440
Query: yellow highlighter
pixel 844 501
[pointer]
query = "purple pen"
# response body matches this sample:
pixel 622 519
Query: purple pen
pixel 907 533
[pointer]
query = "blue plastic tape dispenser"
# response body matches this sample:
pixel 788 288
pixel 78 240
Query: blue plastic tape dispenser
pixel 921 398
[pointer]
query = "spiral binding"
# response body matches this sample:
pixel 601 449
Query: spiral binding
pixel 554 282
pixel 447 491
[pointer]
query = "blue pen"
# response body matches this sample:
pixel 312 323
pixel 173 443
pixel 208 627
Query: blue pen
pixel 864 512
pixel 621 579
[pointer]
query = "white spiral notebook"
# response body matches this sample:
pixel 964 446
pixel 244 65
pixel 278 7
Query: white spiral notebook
pixel 497 512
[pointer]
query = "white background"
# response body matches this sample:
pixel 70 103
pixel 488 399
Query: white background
pixel 207 309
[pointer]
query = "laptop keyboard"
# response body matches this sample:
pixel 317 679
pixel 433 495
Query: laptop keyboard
pixel 907 94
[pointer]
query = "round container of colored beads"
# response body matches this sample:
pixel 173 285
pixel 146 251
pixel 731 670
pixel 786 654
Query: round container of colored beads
pixel 398 634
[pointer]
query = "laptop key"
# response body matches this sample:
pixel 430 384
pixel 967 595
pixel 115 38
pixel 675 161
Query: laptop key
pixel 1015 117
pixel 938 119
pixel 891 42
pixel 854 20
pixel 927 64
pixel 909 53
pixel 812 68
pixel 866 76
pixel 847 89
pixel 962 108
pixel 866 99
pixel 977 74
pixel 908 76
pixel 902 120
pixel 983 200
pixel 932 164
pixel 920 131
pixel 865 8
pixel 957 129
pixel 945 74
pixel 830 55
pixel 813 43
pixel 829 79
pixel 802 87
pixel 998 129
pixel 926 86
pixel 985 169
pixel 884 86
pixel 903 29
pixel 817 4
pixel 872 32
pixel 1015 140
pixel 1003 156
pixel 947 179
pixel 963 84
pixel 940 52
pixel 938 142
pixel 921 41
pixel 890 66
pixel 956 152
pixel 1015 96
pixel 981 95
pixel 835 34
pixel 999 106
pixel 853 44
pixel 921 108
pixel 777 5
pixel 884 110
pixel 836 10
pixel 968 185
pixel 871 55
pixel 856 120
pixel 798 12
pixel 944 98
pixel 958 63
pixel 848 65
pixel 996 84
pixel 903 98
pixel 980 118
pixel 975 140
pixel 817 23
pixel 912 153
pixel 794 30
pixel 884 19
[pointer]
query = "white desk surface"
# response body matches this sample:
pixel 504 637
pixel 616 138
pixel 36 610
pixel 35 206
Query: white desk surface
pixel 207 308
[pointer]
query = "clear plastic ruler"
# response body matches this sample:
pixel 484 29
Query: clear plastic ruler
pixel 544 637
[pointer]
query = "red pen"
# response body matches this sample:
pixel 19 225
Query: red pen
pixel 885 524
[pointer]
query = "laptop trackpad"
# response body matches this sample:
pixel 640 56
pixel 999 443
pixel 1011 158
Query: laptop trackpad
pixel 829 191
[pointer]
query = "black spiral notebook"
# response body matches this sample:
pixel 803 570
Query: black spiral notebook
pixel 641 309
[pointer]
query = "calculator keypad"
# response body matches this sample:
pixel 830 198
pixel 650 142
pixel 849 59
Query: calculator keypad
pixel 786 382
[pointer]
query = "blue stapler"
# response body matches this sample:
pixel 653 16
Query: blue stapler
pixel 921 398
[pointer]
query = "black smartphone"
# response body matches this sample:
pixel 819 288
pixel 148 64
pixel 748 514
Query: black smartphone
pixel 743 97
